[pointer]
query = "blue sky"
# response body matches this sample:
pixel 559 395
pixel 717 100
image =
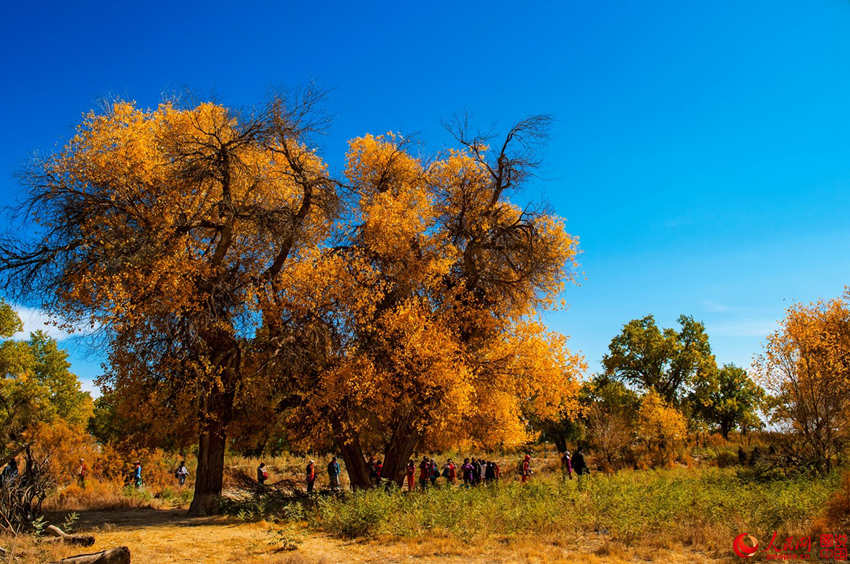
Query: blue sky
pixel 700 150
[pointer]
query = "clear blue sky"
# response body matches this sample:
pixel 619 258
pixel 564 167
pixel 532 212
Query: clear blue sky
pixel 701 150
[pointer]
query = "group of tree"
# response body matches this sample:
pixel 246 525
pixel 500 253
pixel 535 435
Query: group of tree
pixel 37 391
pixel 36 386
pixel 240 286
pixel 659 386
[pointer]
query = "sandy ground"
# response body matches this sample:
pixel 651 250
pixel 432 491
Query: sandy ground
pixel 169 536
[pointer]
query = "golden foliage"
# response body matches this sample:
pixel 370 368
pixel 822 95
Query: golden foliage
pixel 806 368
pixel 662 430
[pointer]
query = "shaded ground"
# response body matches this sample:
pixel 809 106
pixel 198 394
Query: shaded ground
pixel 170 536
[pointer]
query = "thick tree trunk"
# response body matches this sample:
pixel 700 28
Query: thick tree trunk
pixel 560 442
pixel 358 473
pixel 210 473
pixel 398 452
pixel 352 455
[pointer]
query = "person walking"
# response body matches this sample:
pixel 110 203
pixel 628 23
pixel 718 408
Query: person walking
pixel 333 474
pixel 466 471
pixel 373 471
pixel 580 467
pixel 566 465
pixel 411 472
pixel 525 468
pixel 82 472
pixel 137 475
pixel 182 473
pixel 450 472
pixel 424 473
pixel 435 473
pixel 476 471
pixel 489 473
pixel 311 476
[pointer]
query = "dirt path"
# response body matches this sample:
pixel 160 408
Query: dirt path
pixel 157 536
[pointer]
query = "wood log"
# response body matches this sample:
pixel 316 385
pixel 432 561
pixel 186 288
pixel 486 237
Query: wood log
pixel 120 555
pixel 82 540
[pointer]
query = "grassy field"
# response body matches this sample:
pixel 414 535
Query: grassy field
pixel 681 514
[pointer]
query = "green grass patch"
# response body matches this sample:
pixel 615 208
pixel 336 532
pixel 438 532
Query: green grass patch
pixel 683 505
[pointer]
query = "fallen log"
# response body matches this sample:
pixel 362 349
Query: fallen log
pixel 120 555
pixel 62 536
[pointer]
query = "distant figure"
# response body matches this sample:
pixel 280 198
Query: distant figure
pixel 182 473
pixel 411 472
pixel 311 476
pixel 496 470
pixel 10 472
pixel 379 471
pixel 466 471
pixel 450 472
pixel 580 467
pixel 333 474
pixel 525 468
pixel 435 473
pixel 566 465
pixel 424 473
pixel 82 471
pixel 373 470
pixel 137 475
pixel 262 473
pixel 476 471
pixel 489 473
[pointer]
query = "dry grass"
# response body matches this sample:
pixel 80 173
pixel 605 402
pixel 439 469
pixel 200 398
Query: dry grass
pixel 168 536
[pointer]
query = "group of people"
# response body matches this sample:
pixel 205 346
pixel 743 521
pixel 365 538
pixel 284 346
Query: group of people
pixel 472 472
pixel 573 463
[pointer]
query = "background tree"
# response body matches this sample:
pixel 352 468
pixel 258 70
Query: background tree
pixel 610 410
pixel 661 429
pixel 727 398
pixel 170 229
pixel 662 361
pixel 806 369
pixel 36 387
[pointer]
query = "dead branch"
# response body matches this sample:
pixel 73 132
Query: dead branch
pixel 120 555
pixel 62 536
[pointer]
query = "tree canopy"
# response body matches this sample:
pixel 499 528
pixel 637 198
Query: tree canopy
pixel 664 361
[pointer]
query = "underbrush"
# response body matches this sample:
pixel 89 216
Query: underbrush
pixel 113 494
pixel 705 507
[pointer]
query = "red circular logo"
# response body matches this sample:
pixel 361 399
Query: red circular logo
pixel 745 545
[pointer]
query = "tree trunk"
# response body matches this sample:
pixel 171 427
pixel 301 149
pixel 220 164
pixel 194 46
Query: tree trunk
pixel 355 464
pixel 560 442
pixel 398 451
pixel 210 473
